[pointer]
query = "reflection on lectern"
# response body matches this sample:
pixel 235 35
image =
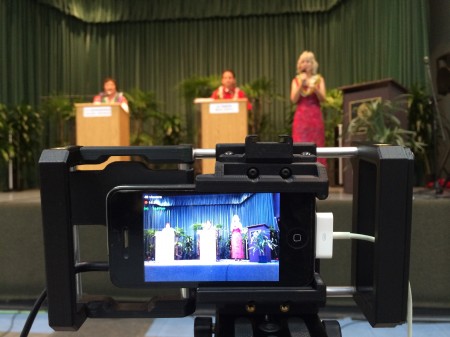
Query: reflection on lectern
pixel 164 245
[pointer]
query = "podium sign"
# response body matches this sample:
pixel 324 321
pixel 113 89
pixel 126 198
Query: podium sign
pixel 224 108
pixel 97 111
pixel 102 125
pixel 222 121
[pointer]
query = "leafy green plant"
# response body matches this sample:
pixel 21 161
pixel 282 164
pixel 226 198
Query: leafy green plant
pixel 180 238
pixel 150 126
pixel 149 243
pixel 377 122
pixel 143 107
pixel 420 120
pixel 197 226
pixel 198 86
pixel 260 93
pixel 191 88
pixel 5 144
pixel 259 241
pixel 20 128
pixel 332 110
pixel 188 250
pixel 58 112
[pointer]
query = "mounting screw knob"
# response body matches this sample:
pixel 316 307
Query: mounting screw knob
pixel 252 173
pixel 285 172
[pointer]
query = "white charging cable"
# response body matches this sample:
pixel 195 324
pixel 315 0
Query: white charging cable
pixel 409 308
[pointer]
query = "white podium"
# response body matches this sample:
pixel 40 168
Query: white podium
pixel 164 246
pixel 207 245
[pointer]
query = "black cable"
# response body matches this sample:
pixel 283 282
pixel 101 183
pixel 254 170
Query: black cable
pixel 30 319
pixel 80 267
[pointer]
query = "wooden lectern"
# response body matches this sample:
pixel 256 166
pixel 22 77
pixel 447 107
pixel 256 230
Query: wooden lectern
pixel 221 121
pixel 357 94
pixel 102 125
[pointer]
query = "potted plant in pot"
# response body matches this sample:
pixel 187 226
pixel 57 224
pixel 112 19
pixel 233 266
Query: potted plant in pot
pixel 259 241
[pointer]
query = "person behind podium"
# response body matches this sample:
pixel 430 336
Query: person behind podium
pixel 111 95
pixel 307 91
pixel 228 89
pixel 167 228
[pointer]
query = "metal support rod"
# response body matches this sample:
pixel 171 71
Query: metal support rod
pixel 322 152
pixel 204 153
pixel 337 152
pixel 340 291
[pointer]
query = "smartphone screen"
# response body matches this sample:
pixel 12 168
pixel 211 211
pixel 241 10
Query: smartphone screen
pixel 191 237
pixel 179 237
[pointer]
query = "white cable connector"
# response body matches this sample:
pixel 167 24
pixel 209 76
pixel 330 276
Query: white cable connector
pixel 349 236
pixel 324 235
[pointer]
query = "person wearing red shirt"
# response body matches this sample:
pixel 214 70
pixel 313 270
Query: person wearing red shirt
pixel 228 89
pixel 111 95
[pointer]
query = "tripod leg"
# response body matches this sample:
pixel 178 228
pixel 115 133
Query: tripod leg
pixel 332 328
pixel 203 327
pixel 243 328
pixel 297 327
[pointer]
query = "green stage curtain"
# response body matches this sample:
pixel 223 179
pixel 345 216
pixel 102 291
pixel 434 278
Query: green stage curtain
pixel 45 49
pixel 107 11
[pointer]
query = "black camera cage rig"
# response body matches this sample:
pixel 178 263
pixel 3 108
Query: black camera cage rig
pixel 382 207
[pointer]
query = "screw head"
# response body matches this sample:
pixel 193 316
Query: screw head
pixel 250 308
pixel 285 308
pixel 285 172
pixel 252 173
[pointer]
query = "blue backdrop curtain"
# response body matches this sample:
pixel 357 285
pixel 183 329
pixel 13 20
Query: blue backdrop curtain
pixel 185 211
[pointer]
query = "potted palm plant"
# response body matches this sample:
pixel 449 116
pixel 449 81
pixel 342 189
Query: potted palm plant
pixel 149 237
pixel 259 241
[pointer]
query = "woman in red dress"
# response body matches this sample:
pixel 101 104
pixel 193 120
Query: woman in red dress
pixel 307 91
pixel 237 248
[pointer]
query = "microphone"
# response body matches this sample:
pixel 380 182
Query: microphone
pixel 426 60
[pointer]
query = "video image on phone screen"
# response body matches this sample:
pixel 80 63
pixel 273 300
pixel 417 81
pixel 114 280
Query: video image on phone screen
pixel 211 237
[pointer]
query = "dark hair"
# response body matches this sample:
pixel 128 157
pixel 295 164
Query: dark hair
pixel 110 79
pixel 229 71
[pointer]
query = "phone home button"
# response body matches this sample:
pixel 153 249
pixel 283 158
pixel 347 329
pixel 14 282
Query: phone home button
pixel 297 238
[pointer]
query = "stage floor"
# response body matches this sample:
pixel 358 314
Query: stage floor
pixel 221 271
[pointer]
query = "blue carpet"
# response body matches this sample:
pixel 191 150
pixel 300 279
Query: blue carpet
pixel 14 322
pixel 353 328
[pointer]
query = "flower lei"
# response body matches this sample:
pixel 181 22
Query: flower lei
pixel 312 81
pixel 221 90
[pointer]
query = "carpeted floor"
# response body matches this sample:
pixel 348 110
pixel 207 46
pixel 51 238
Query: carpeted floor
pixel 11 324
